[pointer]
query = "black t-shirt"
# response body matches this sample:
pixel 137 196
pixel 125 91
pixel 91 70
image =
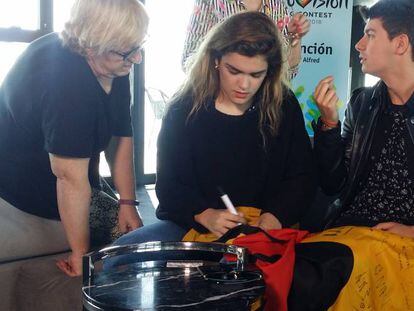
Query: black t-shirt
pixel 213 149
pixel 50 102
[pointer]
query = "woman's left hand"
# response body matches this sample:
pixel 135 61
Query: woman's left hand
pixel 298 27
pixel 128 219
pixel 397 228
pixel 268 221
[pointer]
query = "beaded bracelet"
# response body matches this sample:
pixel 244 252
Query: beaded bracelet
pixel 329 125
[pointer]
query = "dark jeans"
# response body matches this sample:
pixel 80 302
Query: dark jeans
pixel 163 230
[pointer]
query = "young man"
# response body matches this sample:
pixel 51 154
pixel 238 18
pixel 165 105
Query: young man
pixel 369 163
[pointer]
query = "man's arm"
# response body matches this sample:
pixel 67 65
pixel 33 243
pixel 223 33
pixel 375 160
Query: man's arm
pixel 333 148
pixel 329 147
pixel 119 155
pixel 396 228
pixel 73 195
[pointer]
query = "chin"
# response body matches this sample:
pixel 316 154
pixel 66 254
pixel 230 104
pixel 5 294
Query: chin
pixel 366 70
pixel 243 101
pixel 122 73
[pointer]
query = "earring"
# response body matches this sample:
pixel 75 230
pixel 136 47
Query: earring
pixel 216 66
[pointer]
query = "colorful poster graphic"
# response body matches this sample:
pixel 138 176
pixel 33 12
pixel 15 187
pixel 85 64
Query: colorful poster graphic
pixel 325 51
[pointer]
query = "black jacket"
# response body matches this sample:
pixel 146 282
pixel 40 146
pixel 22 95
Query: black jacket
pixel 342 158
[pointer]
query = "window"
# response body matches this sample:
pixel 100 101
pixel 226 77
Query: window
pixel 10 52
pixel 12 14
pixel 61 13
pixel 17 28
pixel 163 72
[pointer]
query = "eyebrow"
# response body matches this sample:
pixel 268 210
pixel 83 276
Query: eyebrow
pixel 238 70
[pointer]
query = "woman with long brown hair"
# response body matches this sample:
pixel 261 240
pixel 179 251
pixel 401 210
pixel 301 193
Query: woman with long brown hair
pixel 234 125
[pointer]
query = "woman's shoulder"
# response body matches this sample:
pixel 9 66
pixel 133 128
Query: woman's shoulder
pixel 179 107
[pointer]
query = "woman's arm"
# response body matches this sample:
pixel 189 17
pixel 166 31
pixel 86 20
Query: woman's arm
pixel 73 194
pixel 119 155
pixel 298 27
pixel 292 182
pixel 176 187
pixel 177 181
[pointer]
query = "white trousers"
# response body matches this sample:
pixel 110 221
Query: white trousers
pixel 24 235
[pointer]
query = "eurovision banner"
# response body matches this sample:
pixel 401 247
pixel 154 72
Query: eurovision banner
pixel 325 51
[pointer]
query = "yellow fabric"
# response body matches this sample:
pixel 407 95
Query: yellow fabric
pixel 383 274
pixel 251 214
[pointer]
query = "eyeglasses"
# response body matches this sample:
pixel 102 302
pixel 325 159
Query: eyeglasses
pixel 128 55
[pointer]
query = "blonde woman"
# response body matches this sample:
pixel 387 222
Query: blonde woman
pixel 61 104
pixel 234 125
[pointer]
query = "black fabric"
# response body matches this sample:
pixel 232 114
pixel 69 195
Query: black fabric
pixel 321 271
pixel 342 158
pixel 386 189
pixel 245 229
pixel 213 149
pixel 50 102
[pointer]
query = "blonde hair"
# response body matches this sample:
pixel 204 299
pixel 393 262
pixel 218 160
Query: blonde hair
pixel 249 34
pixel 105 25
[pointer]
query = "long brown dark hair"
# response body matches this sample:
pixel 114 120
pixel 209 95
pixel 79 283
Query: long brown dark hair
pixel 249 34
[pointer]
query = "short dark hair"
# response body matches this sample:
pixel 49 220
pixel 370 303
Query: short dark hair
pixel 397 17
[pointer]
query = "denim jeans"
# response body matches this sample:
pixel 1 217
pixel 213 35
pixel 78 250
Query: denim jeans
pixel 163 230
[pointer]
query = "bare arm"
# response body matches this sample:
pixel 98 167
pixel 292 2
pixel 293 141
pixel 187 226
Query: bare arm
pixel 298 27
pixel 120 158
pixel 73 195
pixel 295 55
pixel 396 228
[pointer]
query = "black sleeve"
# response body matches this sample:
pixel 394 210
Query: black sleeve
pixel 332 150
pixel 176 187
pixel 289 198
pixel 68 116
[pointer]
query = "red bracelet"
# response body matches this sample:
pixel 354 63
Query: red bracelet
pixel 128 202
pixel 329 124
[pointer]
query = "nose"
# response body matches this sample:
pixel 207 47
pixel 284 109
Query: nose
pixel 360 45
pixel 136 58
pixel 244 82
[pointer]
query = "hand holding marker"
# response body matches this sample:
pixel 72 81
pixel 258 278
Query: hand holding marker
pixel 226 200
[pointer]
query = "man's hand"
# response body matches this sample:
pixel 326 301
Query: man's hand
pixel 298 27
pixel 128 218
pixel 268 221
pixel 72 266
pixel 394 227
pixel 327 100
pixel 219 221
